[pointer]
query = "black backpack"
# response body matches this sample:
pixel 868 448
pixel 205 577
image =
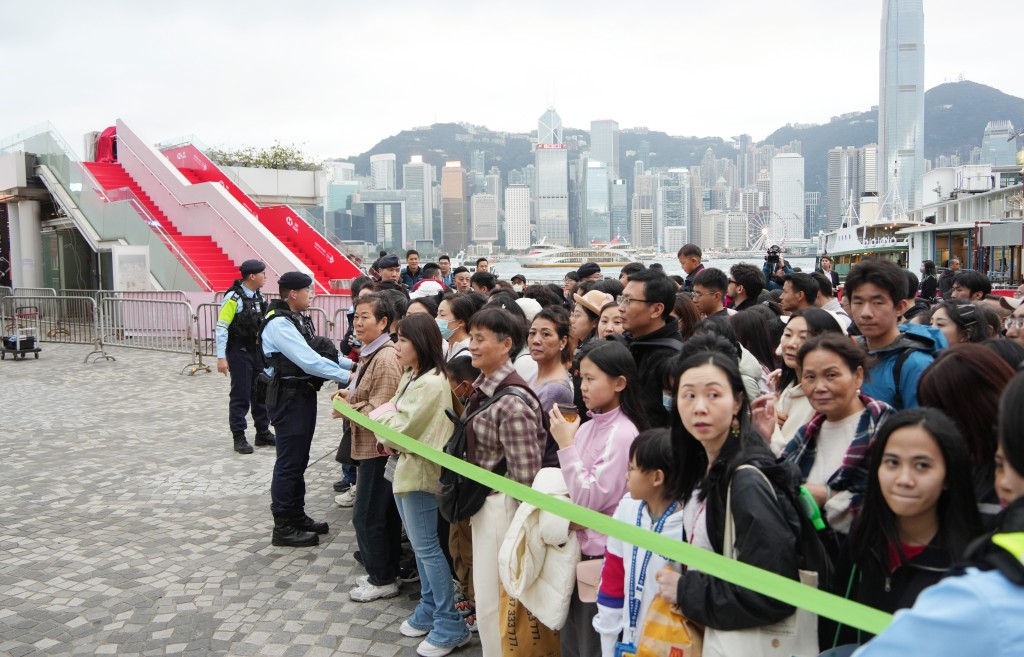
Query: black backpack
pixel 459 497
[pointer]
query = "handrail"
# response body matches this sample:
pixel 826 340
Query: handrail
pixel 122 144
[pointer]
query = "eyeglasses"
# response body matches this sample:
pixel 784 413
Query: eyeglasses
pixel 732 282
pixel 698 295
pixel 624 301
pixel 1013 323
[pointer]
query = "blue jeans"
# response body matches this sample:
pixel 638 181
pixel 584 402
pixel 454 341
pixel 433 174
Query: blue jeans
pixel 436 609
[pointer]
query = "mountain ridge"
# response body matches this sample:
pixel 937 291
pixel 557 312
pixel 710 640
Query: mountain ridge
pixel 955 118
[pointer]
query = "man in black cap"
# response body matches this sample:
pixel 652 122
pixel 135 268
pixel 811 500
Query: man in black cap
pixel 390 269
pixel 297 371
pixel 589 271
pixel 238 324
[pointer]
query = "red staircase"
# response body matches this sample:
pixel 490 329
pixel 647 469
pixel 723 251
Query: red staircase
pixel 324 260
pixel 204 253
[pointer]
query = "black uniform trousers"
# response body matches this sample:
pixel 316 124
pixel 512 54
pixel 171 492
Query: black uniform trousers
pixel 294 420
pixel 244 368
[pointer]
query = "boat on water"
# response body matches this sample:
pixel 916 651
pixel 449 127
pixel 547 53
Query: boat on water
pixel 871 233
pixel 611 254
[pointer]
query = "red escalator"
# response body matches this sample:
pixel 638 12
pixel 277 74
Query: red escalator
pixel 201 250
pixel 313 249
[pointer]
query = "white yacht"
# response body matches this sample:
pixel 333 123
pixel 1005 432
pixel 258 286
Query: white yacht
pixel 616 253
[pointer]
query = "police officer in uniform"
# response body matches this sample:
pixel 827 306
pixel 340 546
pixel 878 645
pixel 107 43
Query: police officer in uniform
pixel 294 374
pixel 238 324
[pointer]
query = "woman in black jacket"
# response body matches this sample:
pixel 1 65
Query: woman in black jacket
pixel 713 440
pixel 919 515
pixel 929 281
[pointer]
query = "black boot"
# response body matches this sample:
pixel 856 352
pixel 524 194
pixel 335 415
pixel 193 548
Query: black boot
pixel 265 438
pixel 287 534
pixel 242 445
pixel 307 524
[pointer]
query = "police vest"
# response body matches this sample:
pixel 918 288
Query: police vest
pixel 1010 560
pixel 245 327
pixel 284 368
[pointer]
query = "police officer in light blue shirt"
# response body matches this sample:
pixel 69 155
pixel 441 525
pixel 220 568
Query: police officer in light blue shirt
pixel 296 371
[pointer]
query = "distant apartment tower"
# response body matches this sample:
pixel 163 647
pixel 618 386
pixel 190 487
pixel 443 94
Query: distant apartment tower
pixel 485 218
pixel 549 127
pixel 672 208
pixel 597 218
pixel 642 203
pixel 620 209
pixel 552 167
pixel 517 217
pixel 787 195
pixel 416 179
pixel 341 171
pixel 382 171
pixel 901 100
pixel 997 148
pixel 492 185
pixel 604 144
pixel 812 213
pixel 723 229
pixel 454 187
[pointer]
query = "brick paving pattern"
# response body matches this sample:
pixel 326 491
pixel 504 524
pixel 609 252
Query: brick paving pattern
pixel 129 526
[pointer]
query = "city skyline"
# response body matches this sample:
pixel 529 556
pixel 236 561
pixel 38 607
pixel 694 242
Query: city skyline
pixel 248 78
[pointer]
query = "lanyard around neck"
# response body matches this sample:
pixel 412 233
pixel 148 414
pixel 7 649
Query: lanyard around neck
pixel 637 585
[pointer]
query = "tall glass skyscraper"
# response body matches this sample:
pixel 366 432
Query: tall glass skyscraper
pixel 604 144
pixel 597 218
pixel 787 196
pixel 901 100
pixel 549 127
pixel 553 193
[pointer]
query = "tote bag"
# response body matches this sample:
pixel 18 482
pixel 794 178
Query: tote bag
pixel 793 636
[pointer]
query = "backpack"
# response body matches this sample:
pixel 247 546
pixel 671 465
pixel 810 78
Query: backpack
pixel 459 497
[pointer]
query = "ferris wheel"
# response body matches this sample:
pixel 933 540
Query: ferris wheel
pixel 767 228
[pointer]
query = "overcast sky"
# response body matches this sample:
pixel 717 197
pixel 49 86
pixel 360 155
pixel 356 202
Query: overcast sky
pixel 337 77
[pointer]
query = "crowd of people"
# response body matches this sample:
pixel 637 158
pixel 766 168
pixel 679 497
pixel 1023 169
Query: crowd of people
pixel 869 432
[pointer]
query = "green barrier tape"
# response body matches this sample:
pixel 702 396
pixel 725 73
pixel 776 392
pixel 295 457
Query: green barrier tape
pixel 761 581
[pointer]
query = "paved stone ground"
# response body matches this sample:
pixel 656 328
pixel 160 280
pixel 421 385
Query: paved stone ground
pixel 128 526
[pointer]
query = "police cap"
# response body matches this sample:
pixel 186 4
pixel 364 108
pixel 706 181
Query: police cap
pixel 388 262
pixel 251 267
pixel 294 280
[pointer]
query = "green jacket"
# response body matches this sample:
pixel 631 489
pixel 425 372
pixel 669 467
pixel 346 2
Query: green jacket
pixel 420 414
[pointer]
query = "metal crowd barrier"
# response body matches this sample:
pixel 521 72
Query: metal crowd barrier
pixel 68 320
pixel 340 324
pixel 5 292
pixel 153 325
pixel 34 292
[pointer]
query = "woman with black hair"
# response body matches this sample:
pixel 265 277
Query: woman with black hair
pixel 453 315
pixel 418 410
pixel 960 321
pixel 918 517
pixel 594 461
pixel 983 605
pixel 583 321
pixel 727 476
pixel 929 281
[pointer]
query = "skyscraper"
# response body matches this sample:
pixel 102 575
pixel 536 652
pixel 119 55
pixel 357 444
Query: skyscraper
pixel 672 208
pixel 620 209
pixel 997 148
pixel 517 217
pixel 553 192
pixel 485 218
pixel 549 127
pixel 419 209
pixel 453 206
pixel 604 144
pixel 787 196
pixel 382 171
pixel 597 214
pixel 901 100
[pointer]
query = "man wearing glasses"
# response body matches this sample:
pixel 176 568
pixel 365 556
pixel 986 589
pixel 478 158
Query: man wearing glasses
pixel 1014 324
pixel 652 335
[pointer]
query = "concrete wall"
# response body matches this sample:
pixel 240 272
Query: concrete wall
pixel 279 186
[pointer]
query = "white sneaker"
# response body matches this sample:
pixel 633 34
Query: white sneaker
pixel 427 649
pixel 367 592
pixel 347 499
pixel 408 630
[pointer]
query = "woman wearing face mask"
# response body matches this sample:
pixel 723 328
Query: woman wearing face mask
pixel 919 516
pixel 777 416
pixel 831 449
pixel 548 342
pixel 453 314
